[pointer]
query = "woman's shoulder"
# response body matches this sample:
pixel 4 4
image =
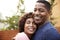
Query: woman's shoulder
pixel 21 36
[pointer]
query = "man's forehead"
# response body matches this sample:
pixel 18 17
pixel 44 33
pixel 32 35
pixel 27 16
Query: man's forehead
pixel 39 5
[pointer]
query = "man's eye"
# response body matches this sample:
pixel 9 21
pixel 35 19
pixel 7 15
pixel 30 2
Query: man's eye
pixel 42 11
pixel 35 10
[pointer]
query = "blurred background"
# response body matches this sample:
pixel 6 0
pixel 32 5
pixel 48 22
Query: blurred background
pixel 10 8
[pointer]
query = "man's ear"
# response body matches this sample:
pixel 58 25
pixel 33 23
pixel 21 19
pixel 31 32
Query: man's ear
pixel 50 12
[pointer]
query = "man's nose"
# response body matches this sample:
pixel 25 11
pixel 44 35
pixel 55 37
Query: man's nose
pixel 37 12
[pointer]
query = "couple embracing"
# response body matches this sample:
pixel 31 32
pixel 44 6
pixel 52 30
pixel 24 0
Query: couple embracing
pixel 36 26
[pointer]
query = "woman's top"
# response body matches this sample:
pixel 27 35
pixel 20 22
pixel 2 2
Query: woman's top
pixel 21 36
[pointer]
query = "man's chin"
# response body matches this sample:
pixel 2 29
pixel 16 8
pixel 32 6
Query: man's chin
pixel 37 22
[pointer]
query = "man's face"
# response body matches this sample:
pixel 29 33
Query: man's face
pixel 41 14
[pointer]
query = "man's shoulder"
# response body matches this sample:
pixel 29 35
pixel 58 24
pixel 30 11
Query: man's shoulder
pixel 46 26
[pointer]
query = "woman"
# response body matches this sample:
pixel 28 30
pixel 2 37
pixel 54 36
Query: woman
pixel 27 27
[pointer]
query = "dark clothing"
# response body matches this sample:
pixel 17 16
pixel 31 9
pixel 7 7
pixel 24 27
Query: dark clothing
pixel 46 32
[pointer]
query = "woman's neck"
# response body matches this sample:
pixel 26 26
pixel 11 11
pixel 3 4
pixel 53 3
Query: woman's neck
pixel 29 35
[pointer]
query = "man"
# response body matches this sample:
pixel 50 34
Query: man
pixel 45 30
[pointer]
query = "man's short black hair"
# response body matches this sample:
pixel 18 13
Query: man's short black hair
pixel 47 4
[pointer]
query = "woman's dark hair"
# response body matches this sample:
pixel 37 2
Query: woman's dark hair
pixel 47 4
pixel 23 20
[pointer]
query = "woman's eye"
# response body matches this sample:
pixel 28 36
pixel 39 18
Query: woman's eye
pixel 28 22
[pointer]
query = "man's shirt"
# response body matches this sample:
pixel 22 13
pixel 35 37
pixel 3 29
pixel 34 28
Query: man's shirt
pixel 46 32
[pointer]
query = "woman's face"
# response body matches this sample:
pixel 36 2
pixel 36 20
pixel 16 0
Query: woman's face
pixel 30 26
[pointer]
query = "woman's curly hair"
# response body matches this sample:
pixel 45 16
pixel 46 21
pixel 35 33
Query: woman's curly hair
pixel 23 20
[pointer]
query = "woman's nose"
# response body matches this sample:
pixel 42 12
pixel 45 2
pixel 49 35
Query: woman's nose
pixel 31 24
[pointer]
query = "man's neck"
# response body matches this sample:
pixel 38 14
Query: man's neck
pixel 43 23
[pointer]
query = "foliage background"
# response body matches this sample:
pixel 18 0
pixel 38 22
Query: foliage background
pixel 13 21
